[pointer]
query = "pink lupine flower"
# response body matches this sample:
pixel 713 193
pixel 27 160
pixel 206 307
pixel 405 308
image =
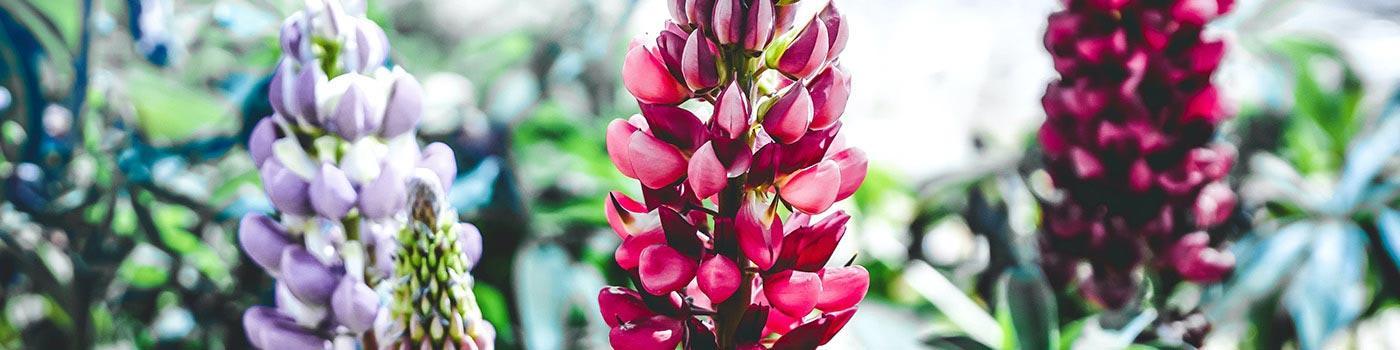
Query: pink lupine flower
pixel 723 244
pixel 1127 138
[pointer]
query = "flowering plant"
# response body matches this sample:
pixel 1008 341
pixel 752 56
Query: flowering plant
pixel 1127 139
pixel 335 158
pixel 731 242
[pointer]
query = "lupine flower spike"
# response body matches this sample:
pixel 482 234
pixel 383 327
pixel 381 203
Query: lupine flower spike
pixel 334 159
pixel 1128 141
pixel 730 245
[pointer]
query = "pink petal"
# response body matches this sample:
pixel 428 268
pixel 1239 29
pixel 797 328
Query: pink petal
pixel 629 253
pixel 760 242
pixel 627 216
pixel 646 77
pixel 812 190
pixel 821 242
pixel 619 141
pixel 706 175
pixel 838 320
pixel 1214 205
pixel 807 52
pixel 719 277
pixel 654 333
pixel 843 287
pixel 788 118
pixel 620 305
pixel 656 163
pixel 780 323
pixel 1085 164
pixel 664 270
pixel 795 293
pixel 732 111
pixel 674 125
pixel 805 337
pixel 829 90
pixel 853 166
pixel 1196 261
pixel 681 235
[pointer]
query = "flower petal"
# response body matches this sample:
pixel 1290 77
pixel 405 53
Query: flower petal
pixel 842 287
pixel 759 241
pixel 793 292
pixel 853 166
pixel 620 305
pixel 656 163
pixel 619 140
pixel 644 75
pixel 812 190
pixel 787 120
pixel 664 270
pixel 332 195
pixel 706 175
pixel 263 240
pixel 719 278
pixel 654 333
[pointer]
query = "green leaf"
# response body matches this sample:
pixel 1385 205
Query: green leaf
pixel 170 111
pixel 1071 332
pixel 1327 114
pixel 494 309
pixel 1027 310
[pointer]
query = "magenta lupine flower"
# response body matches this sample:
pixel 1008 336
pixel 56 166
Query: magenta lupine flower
pixel 335 158
pixel 731 244
pixel 1128 139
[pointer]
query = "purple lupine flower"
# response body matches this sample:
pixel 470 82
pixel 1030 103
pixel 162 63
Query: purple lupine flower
pixel 335 159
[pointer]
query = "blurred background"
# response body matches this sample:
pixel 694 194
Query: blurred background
pixel 124 171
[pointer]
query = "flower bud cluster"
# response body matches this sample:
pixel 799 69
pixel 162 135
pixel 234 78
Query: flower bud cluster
pixel 731 241
pixel 1128 139
pixel 434 307
pixel 333 159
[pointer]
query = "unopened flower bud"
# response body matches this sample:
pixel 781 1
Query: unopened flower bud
pixel 837 30
pixel 439 158
pixel 354 304
pixel 799 54
pixel 405 106
pixel 830 90
pixel 728 21
pixel 260 140
pixel 759 27
pixel 646 77
pixel 699 63
pixel 306 277
pixel 787 120
pixel 263 240
pixel 286 190
pixel 331 193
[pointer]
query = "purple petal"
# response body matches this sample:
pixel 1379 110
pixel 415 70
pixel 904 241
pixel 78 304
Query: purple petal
pixel 332 195
pixel 263 240
pixel 354 305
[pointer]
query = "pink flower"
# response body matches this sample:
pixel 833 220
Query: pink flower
pixel 707 230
